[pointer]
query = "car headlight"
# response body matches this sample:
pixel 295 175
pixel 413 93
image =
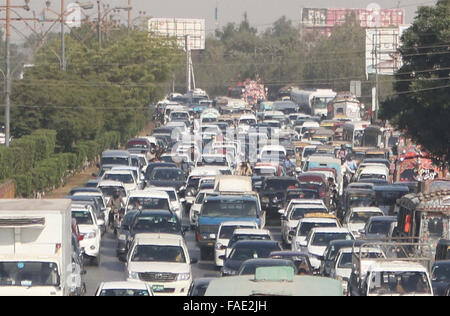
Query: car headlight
pixel 183 276
pixel 189 193
pixel 90 235
pixel 133 275
pixel 265 200
pixel 218 246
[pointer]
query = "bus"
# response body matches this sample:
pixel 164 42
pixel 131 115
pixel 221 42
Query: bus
pixel 313 101
pixel 373 137
pixel 354 132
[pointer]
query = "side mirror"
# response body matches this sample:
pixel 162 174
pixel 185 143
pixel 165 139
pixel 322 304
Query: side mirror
pixel 122 258
pixel 281 211
pixel 194 260
pixel 292 233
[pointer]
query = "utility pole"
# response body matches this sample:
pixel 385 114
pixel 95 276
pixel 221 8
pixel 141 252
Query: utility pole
pixel 188 64
pixel 99 31
pixel 8 74
pixel 63 39
pixel 129 14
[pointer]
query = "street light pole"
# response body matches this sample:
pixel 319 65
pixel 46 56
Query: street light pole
pixel 8 74
pixel 63 39
pixel 99 31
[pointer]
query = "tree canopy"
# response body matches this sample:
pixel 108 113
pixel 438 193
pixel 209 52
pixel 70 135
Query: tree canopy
pixel 421 106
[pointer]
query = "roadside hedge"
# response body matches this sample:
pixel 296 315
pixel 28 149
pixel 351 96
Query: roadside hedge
pixel 52 171
pixel 26 152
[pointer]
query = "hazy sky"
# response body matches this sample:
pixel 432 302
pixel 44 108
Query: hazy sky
pixel 261 13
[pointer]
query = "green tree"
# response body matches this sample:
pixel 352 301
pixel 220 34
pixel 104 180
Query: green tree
pixel 421 106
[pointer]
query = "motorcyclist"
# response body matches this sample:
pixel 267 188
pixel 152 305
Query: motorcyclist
pixel 342 153
pixel 333 192
pixel 350 167
pixel 116 204
pixel 290 166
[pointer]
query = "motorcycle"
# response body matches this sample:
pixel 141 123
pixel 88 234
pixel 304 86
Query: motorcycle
pixel 117 220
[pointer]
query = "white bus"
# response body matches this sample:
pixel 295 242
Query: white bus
pixel 354 132
pixel 313 101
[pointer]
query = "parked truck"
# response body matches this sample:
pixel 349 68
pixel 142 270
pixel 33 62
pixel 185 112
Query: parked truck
pixel 36 248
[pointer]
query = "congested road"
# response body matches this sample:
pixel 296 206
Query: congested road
pixel 112 269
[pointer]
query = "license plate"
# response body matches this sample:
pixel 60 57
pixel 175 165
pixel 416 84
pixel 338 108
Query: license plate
pixel 210 244
pixel 158 288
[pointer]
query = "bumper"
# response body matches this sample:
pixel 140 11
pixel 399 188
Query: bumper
pixel 177 288
pixel 122 248
pixel 91 247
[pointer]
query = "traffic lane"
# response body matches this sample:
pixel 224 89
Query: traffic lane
pixel 110 269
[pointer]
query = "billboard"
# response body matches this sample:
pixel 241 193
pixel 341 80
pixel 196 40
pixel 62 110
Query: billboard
pixel 382 46
pixel 324 20
pixel 179 28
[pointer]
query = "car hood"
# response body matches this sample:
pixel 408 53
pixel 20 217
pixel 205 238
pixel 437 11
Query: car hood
pixel 163 267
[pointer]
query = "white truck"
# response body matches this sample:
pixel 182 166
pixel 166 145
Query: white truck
pixel 36 248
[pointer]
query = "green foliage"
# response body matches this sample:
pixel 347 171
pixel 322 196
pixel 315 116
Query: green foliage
pixel 422 104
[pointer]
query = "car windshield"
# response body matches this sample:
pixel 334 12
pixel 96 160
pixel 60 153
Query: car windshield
pixel 280 185
pixel 29 274
pixel 372 176
pixel 379 227
pixel 213 161
pixel 158 253
pixel 230 208
pixel 308 152
pixel 167 174
pixel 300 212
pixel 305 228
pixel 115 161
pixel 226 232
pixel 83 217
pixel 157 224
pixel 124 292
pixel 363 217
pixel 245 253
pixel 109 191
pixel 399 282
pixel 345 262
pixel 147 203
pixel 124 178
pixel 274 124
pixel 360 200
pixel 441 272
pixel 323 239
pixel 236 238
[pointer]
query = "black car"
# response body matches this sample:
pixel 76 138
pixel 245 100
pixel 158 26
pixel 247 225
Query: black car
pixel 249 266
pixel 273 193
pixel 199 286
pixel 167 177
pixel 247 249
pixel 440 278
pixel 124 233
pixel 154 165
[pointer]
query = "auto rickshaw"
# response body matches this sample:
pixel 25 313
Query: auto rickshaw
pixel 323 135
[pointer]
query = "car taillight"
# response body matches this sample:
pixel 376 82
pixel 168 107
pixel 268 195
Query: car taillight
pixel 80 237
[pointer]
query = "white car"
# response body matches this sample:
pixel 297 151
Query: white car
pixel 290 220
pixel 125 176
pixel 105 210
pixel 124 289
pixel 318 240
pixel 194 212
pixel 356 219
pixel 343 264
pixel 148 199
pixel 225 232
pixel 247 234
pixel 306 224
pixel 138 175
pixel 162 261
pixel 108 187
pixel 89 227
pixel 374 172
pixel 194 178
pixel 176 204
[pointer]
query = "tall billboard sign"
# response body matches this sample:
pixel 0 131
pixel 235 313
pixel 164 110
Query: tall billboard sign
pixel 194 29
